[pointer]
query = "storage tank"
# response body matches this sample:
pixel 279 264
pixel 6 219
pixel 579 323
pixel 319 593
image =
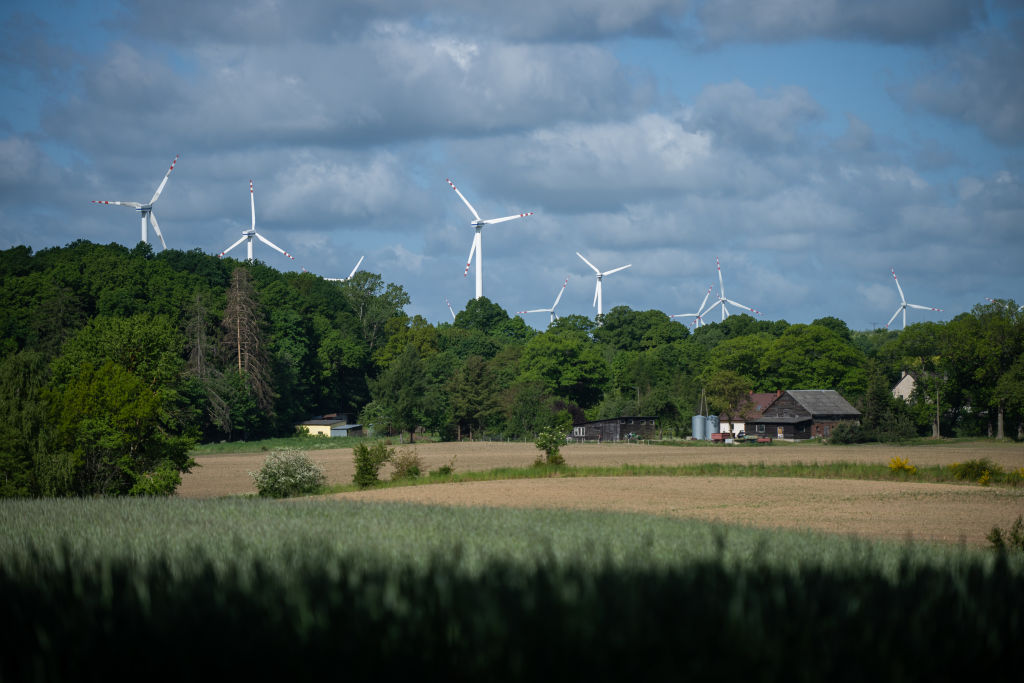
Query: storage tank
pixel 699 423
pixel 712 427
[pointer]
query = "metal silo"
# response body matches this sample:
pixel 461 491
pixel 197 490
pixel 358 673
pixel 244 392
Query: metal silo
pixel 699 424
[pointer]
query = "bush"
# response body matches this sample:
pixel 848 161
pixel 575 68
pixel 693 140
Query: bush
pixel 1012 540
pixel 550 440
pixel 898 464
pixel 288 472
pixel 369 460
pixel 406 465
pixel 976 470
pixel 847 432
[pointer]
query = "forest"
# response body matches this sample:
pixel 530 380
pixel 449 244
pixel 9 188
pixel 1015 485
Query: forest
pixel 116 362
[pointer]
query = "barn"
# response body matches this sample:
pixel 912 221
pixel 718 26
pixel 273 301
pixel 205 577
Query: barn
pixel 754 408
pixel 331 424
pixel 803 414
pixel 615 429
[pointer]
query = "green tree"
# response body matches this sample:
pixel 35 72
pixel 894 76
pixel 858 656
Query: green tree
pixel 23 378
pixel 729 394
pixel 112 435
pixel 400 391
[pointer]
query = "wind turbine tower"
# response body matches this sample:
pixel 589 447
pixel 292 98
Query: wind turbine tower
pixel 477 247
pixel 146 210
pixel 553 306
pixel 904 305
pixel 247 235
pixel 722 299
pixel 600 276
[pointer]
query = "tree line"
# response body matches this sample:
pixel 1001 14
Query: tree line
pixel 115 362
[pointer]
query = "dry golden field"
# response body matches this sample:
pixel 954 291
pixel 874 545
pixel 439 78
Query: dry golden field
pixel 941 512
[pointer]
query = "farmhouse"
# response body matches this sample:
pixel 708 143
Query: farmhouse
pixel 905 387
pixel 615 429
pixel 756 403
pixel 331 424
pixel 802 414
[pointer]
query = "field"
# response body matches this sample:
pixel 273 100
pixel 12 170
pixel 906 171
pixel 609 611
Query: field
pixel 524 579
pixel 877 509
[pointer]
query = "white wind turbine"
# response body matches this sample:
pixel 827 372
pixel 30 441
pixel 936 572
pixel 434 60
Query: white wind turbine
pixel 247 235
pixel 553 306
pixel 346 279
pixel 477 247
pixel 698 317
pixel 995 301
pixel 600 276
pixel 904 305
pixel 722 300
pixel 146 210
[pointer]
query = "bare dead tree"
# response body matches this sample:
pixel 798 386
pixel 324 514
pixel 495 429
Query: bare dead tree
pixel 201 365
pixel 243 337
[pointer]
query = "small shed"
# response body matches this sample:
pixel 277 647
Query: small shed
pixel 330 425
pixel 804 413
pixel 615 429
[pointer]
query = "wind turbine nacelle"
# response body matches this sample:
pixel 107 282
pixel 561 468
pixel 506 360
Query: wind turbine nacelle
pixel 249 233
pixel 477 224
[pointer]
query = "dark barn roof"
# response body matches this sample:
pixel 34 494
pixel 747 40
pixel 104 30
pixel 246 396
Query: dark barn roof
pixel 823 402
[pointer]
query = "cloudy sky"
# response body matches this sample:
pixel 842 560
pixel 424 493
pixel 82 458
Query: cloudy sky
pixel 811 145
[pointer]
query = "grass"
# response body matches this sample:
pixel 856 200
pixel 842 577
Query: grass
pixel 236 533
pixel 934 474
pixel 305 443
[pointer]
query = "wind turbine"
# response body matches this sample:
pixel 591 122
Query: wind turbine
pixel 600 276
pixel 146 210
pixel 553 306
pixel 904 305
pixel 450 309
pixel 698 317
pixel 247 235
pixel 996 301
pixel 722 300
pixel 477 247
pixel 346 279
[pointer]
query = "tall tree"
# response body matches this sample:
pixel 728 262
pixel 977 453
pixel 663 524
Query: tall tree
pixel 243 338
pixel 400 391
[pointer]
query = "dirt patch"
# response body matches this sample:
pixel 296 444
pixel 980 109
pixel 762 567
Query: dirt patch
pixel 227 474
pixel 894 510
pixel 898 510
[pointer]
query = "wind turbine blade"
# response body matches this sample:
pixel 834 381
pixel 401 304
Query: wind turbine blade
pixel 156 195
pixel 356 268
pixel 559 297
pixel 588 263
pixel 894 316
pixel 221 254
pixel 710 308
pixel 902 298
pixel 270 244
pixel 492 221
pixel 450 309
pixel 615 270
pixel 156 228
pixel 535 310
pixel 466 201
pixel 924 308
pixel 736 303
pixel 684 315
pixel 721 286
pixel 706 295
pixel 134 205
pixel 252 203
pixel 472 250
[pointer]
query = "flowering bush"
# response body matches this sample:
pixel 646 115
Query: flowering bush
pixel 288 472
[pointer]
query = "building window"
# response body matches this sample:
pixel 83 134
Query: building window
pixel 579 431
pixel 760 429
pixel 826 430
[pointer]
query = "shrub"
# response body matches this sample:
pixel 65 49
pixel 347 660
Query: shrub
pixel 407 465
pixel 448 469
pixel 549 441
pixel 898 464
pixel 847 432
pixel 288 472
pixel 976 470
pixel 369 460
pixel 1011 540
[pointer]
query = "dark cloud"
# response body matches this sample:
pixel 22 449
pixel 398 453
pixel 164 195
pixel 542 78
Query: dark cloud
pixel 977 82
pixel 883 21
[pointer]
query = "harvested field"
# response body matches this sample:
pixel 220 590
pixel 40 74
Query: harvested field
pixel 939 512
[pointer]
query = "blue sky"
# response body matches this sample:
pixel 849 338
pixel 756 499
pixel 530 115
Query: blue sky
pixel 811 145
